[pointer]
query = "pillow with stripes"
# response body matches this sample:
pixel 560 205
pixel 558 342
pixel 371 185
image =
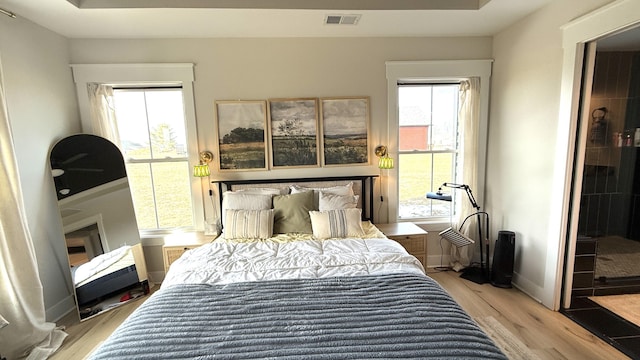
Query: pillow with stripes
pixel 248 224
pixel 344 223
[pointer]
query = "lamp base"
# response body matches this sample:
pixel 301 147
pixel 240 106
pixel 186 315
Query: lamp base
pixel 212 228
pixel 474 274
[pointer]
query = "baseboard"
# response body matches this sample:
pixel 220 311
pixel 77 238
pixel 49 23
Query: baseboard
pixel 523 284
pixel 156 277
pixel 62 308
pixel 435 261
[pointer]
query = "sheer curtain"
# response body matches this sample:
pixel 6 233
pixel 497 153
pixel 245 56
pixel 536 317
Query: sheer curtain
pixel 103 112
pixel 469 118
pixel 23 329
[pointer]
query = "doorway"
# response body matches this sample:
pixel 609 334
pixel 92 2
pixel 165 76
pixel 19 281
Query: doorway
pixel 607 194
pixel 83 245
pixel 610 199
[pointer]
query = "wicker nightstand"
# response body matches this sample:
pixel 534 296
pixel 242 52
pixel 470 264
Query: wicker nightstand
pixel 409 235
pixel 176 244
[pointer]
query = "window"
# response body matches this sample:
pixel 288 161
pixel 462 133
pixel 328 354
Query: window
pixel 157 78
pixel 465 147
pixel 427 147
pixel 152 129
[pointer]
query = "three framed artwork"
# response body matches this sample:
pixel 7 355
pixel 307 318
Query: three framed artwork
pixel 293 132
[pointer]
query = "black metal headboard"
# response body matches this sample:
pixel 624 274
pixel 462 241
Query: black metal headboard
pixel 366 187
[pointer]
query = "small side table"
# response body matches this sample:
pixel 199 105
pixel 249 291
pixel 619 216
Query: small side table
pixel 177 244
pixel 412 237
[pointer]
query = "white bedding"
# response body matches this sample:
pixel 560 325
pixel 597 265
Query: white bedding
pixel 103 264
pixel 223 262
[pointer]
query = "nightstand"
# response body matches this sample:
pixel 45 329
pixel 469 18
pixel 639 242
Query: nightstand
pixel 409 235
pixel 176 244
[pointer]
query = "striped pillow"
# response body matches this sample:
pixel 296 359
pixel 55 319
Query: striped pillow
pixel 248 224
pixel 343 223
pixel 337 202
pixel 236 200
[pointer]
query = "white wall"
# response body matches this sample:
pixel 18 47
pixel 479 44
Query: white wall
pixel 523 138
pixel 111 204
pixel 250 69
pixel 42 108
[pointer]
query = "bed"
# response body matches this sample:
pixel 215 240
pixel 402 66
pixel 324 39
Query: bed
pixel 116 271
pixel 335 289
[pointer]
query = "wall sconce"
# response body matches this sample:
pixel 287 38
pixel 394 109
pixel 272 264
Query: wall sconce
pixel 384 161
pixel 202 169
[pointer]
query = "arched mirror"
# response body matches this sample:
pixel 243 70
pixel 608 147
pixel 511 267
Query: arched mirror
pixel 102 239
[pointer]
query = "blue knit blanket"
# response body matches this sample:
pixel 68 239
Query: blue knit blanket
pixel 365 317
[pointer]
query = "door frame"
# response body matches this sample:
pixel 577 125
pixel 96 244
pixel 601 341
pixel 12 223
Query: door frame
pixel 578 168
pixel 609 19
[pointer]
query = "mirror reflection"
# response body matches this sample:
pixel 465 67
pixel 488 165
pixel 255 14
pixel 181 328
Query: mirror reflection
pixel 102 239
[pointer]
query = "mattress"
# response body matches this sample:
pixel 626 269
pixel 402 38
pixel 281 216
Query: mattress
pixel 102 265
pixel 299 298
pixel 104 275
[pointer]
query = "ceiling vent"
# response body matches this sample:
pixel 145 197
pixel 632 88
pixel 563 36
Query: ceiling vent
pixel 342 19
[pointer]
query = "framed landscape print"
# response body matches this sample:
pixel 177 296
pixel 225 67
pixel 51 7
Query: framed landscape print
pixel 242 140
pixel 294 132
pixel 345 129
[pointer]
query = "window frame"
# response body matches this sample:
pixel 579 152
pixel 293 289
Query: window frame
pixel 454 151
pixel 153 160
pixel 149 75
pixel 399 72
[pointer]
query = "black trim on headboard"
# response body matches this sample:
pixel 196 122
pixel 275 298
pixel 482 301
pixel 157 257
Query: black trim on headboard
pixel 366 188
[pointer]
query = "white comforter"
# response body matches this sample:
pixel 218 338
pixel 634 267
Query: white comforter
pixel 227 262
pixel 100 263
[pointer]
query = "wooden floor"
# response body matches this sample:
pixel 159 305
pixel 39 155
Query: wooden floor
pixel 547 334
pixel 87 335
pixel 544 333
pixel 625 305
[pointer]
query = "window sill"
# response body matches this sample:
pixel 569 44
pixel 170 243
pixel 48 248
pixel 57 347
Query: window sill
pixel 434 225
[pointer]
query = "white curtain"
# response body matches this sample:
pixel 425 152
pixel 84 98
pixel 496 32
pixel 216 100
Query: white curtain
pixel 469 118
pixel 23 330
pixel 103 112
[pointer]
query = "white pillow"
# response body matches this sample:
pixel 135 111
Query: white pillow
pixel 329 201
pixel 233 200
pixel 344 190
pixel 249 224
pixel 263 191
pixel 336 224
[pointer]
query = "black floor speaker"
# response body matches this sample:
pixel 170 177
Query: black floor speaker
pixel 503 254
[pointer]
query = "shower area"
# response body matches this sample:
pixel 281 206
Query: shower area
pixel 609 217
pixel 601 289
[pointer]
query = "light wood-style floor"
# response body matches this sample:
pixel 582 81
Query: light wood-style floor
pixel 85 336
pixel 547 334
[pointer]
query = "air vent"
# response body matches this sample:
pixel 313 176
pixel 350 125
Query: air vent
pixel 342 19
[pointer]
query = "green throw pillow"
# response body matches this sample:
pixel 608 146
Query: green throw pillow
pixel 291 213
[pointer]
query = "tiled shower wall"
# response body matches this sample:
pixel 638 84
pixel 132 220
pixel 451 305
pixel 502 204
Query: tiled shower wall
pixel 611 185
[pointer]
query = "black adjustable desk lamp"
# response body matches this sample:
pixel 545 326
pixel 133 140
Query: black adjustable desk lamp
pixel 477 275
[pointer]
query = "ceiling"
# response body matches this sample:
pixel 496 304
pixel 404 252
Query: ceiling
pixel 270 18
